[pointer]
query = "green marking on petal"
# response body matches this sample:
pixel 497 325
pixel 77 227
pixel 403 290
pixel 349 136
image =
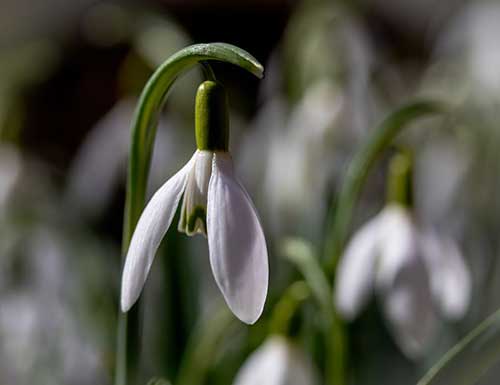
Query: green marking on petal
pixel 190 223
pixel 183 220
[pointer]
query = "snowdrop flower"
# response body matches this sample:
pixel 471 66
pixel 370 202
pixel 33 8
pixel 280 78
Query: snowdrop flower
pixel 416 274
pixel 216 205
pixel 277 362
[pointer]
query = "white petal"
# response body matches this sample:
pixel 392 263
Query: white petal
pixel 150 230
pixel 398 243
pixel 277 362
pixel 403 283
pixel 450 277
pixel 236 243
pixel 194 203
pixel 356 270
pixel 409 308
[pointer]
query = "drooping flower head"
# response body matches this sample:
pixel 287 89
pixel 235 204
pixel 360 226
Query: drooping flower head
pixel 416 274
pixel 214 204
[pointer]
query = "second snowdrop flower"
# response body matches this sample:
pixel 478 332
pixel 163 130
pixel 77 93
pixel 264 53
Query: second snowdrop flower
pixel 216 205
pixel 416 273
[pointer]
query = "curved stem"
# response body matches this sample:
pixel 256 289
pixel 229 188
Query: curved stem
pixel 144 127
pixel 358 170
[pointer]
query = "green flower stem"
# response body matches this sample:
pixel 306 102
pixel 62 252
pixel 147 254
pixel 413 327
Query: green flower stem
pixel 128 346
pixel 144 127
pixel 359 169
pixel 301 254
pixel 469 359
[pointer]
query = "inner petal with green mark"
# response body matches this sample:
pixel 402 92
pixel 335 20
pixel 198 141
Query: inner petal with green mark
pixel 194 205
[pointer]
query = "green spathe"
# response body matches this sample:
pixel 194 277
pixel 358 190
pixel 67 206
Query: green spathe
pixel 400 180
pixel 211 117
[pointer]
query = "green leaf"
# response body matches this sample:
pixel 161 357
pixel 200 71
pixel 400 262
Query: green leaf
pixel 302 255
pixel 468 360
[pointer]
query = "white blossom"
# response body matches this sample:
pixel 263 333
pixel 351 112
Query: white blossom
pixel 216 205
pixel 416 274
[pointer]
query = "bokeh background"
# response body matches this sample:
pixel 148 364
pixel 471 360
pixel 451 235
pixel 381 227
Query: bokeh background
pixel 70 73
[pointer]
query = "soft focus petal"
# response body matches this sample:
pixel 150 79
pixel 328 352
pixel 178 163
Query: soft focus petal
pixel 403 283
pixel 237 247
pixel 450 277
pixel 398 243
pixel 409 309
pixel 357 269
pixel 150 230
pixel 277 362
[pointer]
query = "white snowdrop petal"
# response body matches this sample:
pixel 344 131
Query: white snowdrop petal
pixel 356 270
pixel 409 309
pixel 150 230
pixel 237 247
pixel 403 282
pixel 398 243
pixel 194 204
pixel 450 277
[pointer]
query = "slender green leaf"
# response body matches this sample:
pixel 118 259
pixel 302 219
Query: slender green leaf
pixel 468 360
pixel 301 254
